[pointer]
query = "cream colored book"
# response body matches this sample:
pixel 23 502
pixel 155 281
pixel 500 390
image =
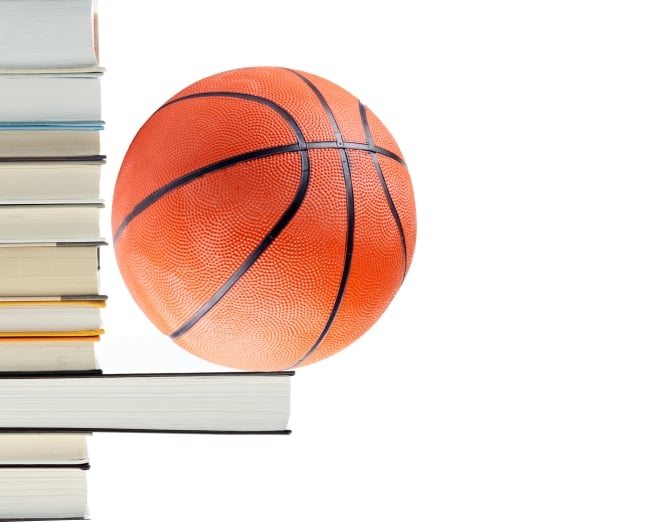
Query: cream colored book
pixel 43 493
pixel 37 449
pixel 49 269
pixel 41 220
pixel 49 143
pixel 50 180
pixel 48 354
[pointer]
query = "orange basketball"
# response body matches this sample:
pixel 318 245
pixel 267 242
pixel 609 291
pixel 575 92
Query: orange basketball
pixel 263 218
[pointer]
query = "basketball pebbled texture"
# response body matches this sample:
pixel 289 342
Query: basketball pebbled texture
pixel 263 218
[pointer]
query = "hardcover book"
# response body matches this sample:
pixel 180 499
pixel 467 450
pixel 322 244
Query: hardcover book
pixel 229 402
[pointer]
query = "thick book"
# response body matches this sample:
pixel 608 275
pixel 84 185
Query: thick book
pixel 46 33
pixel 43 493
pixel 48 354
pixel 50 180
pixel 62 221
pixel 52 97
pixel 46 317
pixel 49 269
pixel 222 402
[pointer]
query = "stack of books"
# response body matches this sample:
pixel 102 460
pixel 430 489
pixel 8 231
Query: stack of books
pixel 50 238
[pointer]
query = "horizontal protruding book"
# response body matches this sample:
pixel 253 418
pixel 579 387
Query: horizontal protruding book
pixel 228 402
pixel 46 33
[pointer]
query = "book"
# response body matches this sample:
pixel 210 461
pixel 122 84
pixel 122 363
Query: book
pixel 44 450
pixel 47 143
pixel 58 221
pixel 45 33
pixel 48 354
pixel 52 97
pixel 44 493
pixel 222 402
pixel 50 180
pixel 49 269
pixel 47 317
pixel 50 306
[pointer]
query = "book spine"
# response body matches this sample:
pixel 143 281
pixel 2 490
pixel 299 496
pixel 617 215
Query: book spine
pixel 50 373
pixel 86 429
pixel 83 466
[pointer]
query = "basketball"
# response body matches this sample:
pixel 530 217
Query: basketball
pixel 263 218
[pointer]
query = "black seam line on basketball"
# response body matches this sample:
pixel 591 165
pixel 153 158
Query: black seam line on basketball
pixel 315 144
pixel 355 146
pixel 159 193
pixel 384 186
pixel 325 144
pixel 229 162
pixel 349 241
pixel 196 174
pixel 285 219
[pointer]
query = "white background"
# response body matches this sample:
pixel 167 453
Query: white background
pixel 508 380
